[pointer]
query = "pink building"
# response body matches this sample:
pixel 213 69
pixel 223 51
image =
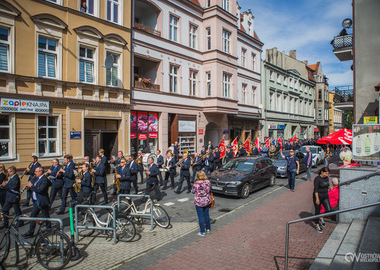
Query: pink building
pixel 196 74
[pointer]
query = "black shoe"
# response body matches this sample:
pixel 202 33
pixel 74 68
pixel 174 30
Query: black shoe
pixel 59 212
pixel 28 234
pixel 188 191
pixel 176 191
pixel 164 188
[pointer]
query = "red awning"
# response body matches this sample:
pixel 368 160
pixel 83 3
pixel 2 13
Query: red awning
pixel 316 129
pixel 343 136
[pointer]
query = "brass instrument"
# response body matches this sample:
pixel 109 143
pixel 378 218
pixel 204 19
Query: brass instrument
pixel 180 162
pixel 139 161
pixel 76 187
pixel 29 166
pixel 116 181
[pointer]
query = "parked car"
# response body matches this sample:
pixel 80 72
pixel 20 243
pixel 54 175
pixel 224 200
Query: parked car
pixel 243 175
pixel 317 152
pixel 280 163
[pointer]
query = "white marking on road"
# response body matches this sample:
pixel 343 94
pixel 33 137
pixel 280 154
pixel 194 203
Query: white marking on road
pixel 183 200
pixel 168 203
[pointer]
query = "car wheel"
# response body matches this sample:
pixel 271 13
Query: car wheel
pixel 245 191
pixel 272 181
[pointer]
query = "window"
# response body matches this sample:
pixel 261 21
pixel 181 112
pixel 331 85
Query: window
pixel 291 105
pixel 285 81
pixel 243 57
pixel 86 65
pixel 271 101
pixel 226 5
pixel 253 56
pixel 193 83
pixel 319 114
pixel 249 27
pixel 226 85
pixel 278 78
pixel 279 103
pixel 173 28
pixel 208 83
pixel 113 11
pixel 173 79
pixel 4 49
pixel 301 87
pixel 112 74
pixel 253 100
pixel 87 6
pixel 243 93
pixel 208 4
pixel 271 75
pixel 208 36
pixel 291 83
pixel 47 57
pixel 226 41
pixel 48 135
pixel 193 37
pixel 5 136
pixel 320 94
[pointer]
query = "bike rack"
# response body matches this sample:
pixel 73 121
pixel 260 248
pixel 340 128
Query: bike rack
pixel 113 228
pixel 135 214
pixel 57 220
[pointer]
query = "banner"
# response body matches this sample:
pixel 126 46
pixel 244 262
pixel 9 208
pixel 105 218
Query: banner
pixel 246 145
pixel 142 121
pixel 153 121
pixel 24 105
pixel 234 146
pixel 280 142
pixel 222 148
pixel 133 121
pixel 257 143
pixel 366 142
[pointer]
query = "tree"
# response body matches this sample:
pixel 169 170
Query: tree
pixel 348 119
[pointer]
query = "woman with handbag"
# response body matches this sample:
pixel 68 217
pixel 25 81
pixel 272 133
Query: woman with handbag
pixel 202 201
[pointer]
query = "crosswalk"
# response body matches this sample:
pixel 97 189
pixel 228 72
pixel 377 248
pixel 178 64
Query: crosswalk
pixel 179 200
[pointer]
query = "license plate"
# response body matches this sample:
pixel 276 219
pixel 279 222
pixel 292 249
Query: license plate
pixel 217 188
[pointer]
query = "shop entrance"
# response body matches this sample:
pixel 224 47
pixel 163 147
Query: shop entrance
pixel 101 134
pixel 212 134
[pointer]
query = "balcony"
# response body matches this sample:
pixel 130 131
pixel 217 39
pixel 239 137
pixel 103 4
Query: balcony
pixel 147 29
pixel 343 47
pixel 147 17
pixel 147 86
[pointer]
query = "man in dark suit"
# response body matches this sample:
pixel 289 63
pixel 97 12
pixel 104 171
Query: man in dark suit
pixel 133 170
pixel 124 176
pixel 160 162
pixel 85 183
pixel 176 151
pixel 255 151
pixel 152 174
pixel 30 171
pixel 208 163
pixel 39 187
pixel 197 166
pixel 116 162
pixel 229 154
pixel 210 146
pixel 68 182
pixel 140 167
pixel 56 178
pixel 217 161
pixel 242 151
pixel 203 151
pixel 12 196
pixel 185 174
pixel 169 163
pixel 100 178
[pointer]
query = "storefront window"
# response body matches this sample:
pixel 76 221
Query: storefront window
pixel 5 136
pixel 187 135
pixel 144 132
pixel 47 135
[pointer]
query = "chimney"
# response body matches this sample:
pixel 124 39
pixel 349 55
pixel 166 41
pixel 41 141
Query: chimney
pixel 306 62
pixel 293 54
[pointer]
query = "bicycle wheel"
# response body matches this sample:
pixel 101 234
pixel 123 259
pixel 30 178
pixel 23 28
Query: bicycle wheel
pixel 125 229
pixel 53 250
pixel 125 207
pixel 5 243
pixel 86 219
pixel 160 216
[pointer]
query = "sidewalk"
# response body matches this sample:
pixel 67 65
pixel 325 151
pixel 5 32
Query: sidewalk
pixel 254 240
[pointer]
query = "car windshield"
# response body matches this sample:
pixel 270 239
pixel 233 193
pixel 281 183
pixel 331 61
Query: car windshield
pixel 312 150
pixel 240 165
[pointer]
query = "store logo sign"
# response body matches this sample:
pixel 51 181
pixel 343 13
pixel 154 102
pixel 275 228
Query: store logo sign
pixel 24 105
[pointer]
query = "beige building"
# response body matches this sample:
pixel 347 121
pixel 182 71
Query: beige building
pixel 335 115
pixel 65 82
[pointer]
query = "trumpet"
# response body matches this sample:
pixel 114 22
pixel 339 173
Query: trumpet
pixel 116 181
pixel 29 166
pixel 180 162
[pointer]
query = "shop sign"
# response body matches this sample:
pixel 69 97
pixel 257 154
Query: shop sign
pixel 276 126
pixel 370 120
pixel 186 126
pixel 75 135
pixel 133 135
pixel 200 131
pixel 24 105
pixel 153 135
pixel 143 136
pixel 366 142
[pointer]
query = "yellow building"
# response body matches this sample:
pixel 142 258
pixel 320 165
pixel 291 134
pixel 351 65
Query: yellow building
pixel 335 115
pixel 65 79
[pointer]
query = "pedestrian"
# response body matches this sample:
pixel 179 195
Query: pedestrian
pixel 321 196
pixel 328 156
pixel 309 162
pixel 293 168
pixel 202 201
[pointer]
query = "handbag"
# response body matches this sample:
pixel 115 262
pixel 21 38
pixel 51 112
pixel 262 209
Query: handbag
pixel 212 200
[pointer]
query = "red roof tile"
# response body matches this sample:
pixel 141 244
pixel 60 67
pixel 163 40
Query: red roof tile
pixel 242 28
pixel 196 2
pixel 255 36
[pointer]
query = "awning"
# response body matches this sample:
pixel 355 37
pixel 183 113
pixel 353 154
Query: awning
pixel 316 129
pixel 244 116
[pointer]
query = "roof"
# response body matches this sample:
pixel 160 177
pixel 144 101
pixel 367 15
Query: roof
pixel 255 36
pixel 315 66
pixel 195 2
pixel 242 28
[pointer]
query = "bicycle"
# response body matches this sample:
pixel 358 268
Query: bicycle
pixel 52 249
pixel 160 216
pixel 125 229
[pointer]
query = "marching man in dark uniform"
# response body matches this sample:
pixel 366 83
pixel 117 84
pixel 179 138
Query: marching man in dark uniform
pixel 100 179
pixel 203 151
pixel 133 170
pixel 40 195
pixel 85 183
pixel 217 161
pixel 208 162
pixel 210 146
pixel 30 171
pixel 124 175
pixel 56 178
pixel 242 151
pixel 151 175
pixel 197 166
pixel 116 162
pixel 12 195
pixel 185 173
pixel 169 163
pixel 176 151
pixel 229 154
pixel 160 162
pixel 140 167
pixel 68 182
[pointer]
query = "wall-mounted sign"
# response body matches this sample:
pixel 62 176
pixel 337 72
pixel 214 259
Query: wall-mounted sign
pixel 276 126
pixel 366 142
pixel 186 126
pixel 370 120
pixel 200 131
pixel 75 135
pixel 153 135
pixel 133 135
pixel 143 136
pixel 24 105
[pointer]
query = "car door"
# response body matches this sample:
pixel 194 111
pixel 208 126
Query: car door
pixel 256 175
pixel 269 171
pixel 263 173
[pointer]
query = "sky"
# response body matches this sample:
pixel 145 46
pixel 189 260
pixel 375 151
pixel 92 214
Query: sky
pixel 307 26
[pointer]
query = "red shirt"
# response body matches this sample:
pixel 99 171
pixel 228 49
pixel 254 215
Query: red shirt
pixel 333 197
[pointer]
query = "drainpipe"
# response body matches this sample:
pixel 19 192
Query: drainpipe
pixel 265 104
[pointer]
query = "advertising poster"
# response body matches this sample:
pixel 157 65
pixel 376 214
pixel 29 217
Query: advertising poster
pixel 153 122
pixel 366 142
pixel 142 121
pixel 133 121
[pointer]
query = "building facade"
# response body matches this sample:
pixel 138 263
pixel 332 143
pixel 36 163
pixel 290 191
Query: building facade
pixel 288 97
pixel 188 74
pixel 335 115
pixel 65 70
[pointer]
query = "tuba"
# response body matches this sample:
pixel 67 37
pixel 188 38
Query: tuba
pixel 116 181
pixel 76 187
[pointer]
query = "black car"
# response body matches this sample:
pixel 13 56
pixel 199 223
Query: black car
pixel 281 163
pixel 241 176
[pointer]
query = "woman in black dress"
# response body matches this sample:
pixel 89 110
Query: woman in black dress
pixel 321 196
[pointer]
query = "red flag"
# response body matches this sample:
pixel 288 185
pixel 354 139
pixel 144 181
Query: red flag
pixel 295 138
pixel 235 147
pixel 280 141
pixel 267 141
pixel 222 148
pixel 246 145
pixel 257 143
pixel 291 140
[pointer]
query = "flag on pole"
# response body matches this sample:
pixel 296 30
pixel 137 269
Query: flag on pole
pixel 295 138
pixel 267 142
pixel 280 141
pixel 257 143
pixel 274 142
pixel 234 146
pixel 222 148
pixel 246 145
pixel 291 140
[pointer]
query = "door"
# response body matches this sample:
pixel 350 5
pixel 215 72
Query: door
pixel 109 144
pixel 91 143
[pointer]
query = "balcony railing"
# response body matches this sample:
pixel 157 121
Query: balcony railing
pixel 342 42
pixel 147 86
pixel 147 29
